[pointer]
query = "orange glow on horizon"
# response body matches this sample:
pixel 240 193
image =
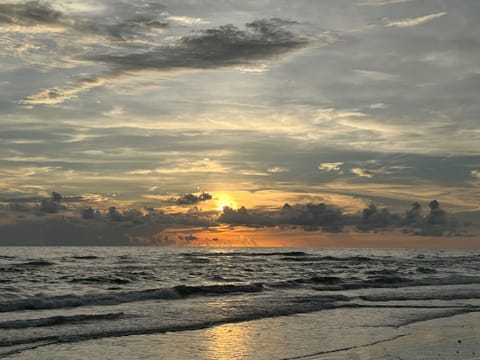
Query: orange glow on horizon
pixel 240 236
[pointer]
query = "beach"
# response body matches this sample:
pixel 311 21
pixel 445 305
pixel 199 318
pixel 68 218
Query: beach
pixel 319 335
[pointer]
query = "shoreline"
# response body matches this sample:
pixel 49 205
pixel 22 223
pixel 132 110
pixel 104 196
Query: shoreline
pixel 330 334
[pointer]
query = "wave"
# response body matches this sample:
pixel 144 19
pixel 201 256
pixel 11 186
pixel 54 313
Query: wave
pixel 57 320
pixel 329 280
pixel 100 280
pixel 426 270
pixel 20 267
pixel 35 263
pixel 421 297
pixel 175 293
pixel 329 258
pixel 296 306
pixel 399 282
pixel 185 290
pixel 316 282
pixel 85 257
pixel 246 253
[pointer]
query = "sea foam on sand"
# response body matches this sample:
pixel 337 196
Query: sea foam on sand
pixel 333 334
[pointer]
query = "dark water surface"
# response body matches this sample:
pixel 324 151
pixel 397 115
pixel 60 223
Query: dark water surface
pixel 64 294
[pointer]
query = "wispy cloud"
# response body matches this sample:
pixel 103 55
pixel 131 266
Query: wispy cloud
pixel 54 96
pixel 379 106
pixel 366 172
pixel 382 2
pixel 277 169
pixel 334 166
pixel 129 46
pixel 410 22
pixel 187 21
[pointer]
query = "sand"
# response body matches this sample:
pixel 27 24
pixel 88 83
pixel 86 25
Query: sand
pixel 332 334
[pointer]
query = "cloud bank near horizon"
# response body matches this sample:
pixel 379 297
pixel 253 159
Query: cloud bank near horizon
pixel 48 221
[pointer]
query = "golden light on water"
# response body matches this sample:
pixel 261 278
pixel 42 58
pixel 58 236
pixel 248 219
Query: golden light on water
pixel 226 340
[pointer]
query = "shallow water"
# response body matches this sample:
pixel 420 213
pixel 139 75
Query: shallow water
pixel 69 295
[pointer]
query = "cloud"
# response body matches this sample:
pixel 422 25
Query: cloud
pixel 277 169
pixel 361 75
pixel 226 46
pixel 334 166
pixel 55 96
pixel 148 225
pixel 475 173
pixel 192 199
pixel 365 172
pixel 379 106
pixel 37 16
pixel 404 23
pixel 242 216
pixel 374 218
pixel 382 2
pixel 30 13
pixel 328 217
pixel 187 21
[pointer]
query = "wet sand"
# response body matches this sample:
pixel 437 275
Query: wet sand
pixel 333 334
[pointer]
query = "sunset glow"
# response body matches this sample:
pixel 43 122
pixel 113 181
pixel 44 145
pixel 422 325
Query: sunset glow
pixel 223 201
pixel 121 121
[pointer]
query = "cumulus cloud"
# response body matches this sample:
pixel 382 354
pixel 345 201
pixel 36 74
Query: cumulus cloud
pixel 404 23
pixel 149 226
pixel 374 218
pixel 192 199
pixel 242 216
pixel 310 217
pixel 327 217
pixel 413 216
pixel 52 205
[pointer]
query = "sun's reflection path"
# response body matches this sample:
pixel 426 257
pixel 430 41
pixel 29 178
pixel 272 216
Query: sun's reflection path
pixel 229 342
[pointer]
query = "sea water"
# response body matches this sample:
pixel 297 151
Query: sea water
pixel 70 295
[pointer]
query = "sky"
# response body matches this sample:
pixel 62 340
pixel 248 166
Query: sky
pixel 134 104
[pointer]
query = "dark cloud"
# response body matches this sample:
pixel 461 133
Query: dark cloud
pixel 192 199
pixel 242 216
pixel 147 226
pixel 374 218
pixel 224 46
pixel 30 13
pixel 36 13
pixel 413 216
pixel 134 48
pixel 328 217
pixel 309 216
pixel 88 213
pixel 52 205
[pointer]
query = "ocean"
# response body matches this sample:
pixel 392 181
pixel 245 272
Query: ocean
pixel 72 295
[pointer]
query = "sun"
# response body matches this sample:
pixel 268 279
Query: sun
pixel 224 200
